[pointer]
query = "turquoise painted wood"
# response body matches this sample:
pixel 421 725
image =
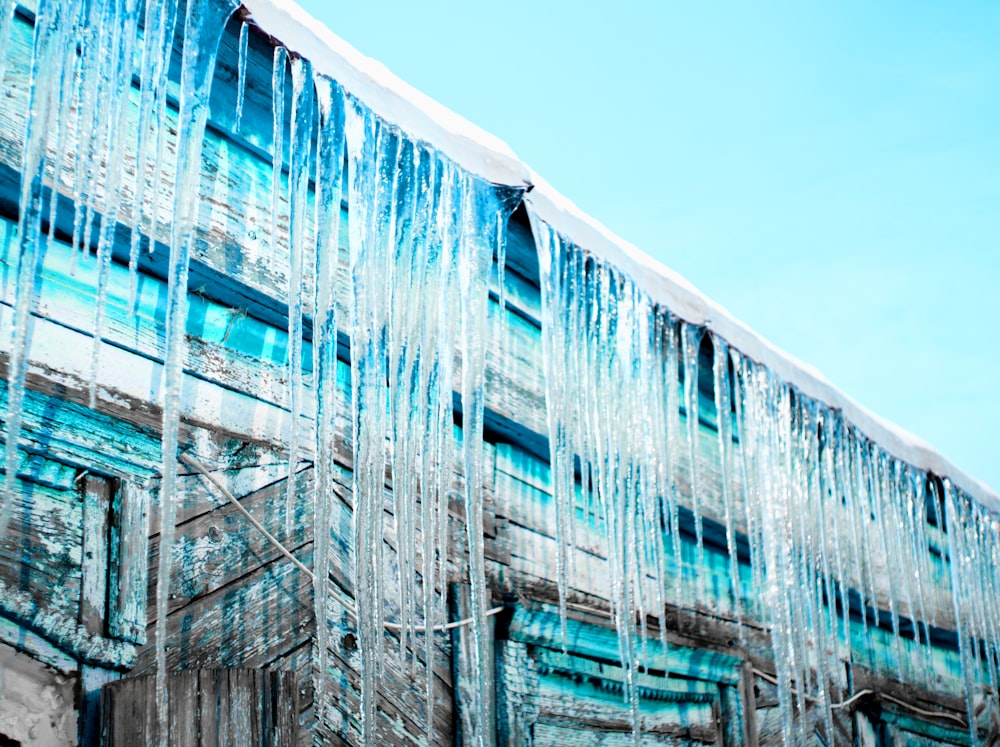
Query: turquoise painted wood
pixel 77 570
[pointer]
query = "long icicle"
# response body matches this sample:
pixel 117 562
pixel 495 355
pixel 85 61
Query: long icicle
pixel 241 73
pixel 720 369
pixel 117 90
pixel 329 183
pixel 160 20
pixel 51 29
pixel 203 26
pixel 298 200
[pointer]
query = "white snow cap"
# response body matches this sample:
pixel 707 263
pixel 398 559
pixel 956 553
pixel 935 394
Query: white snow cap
pixel 489 157
pixel 389 97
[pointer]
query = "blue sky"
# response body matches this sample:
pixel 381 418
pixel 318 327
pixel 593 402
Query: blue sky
pixel 831 174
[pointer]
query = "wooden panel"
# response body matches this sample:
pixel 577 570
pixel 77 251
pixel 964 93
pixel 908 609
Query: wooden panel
pixel 220 546
pixel 129 572
pixel 209 707
pixel 40 552
pixel 574 698
pixel 245 623
pixel 94 598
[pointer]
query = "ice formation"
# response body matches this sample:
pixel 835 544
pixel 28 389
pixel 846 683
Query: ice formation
pixel 825 511
pixel 658 423
pixel 422 238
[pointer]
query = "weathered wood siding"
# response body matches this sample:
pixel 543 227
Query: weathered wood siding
pixel 211 707
pixel 85 529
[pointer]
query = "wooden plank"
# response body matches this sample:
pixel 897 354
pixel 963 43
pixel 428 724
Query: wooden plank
pixel 220 546
pixel 72 434
pixel 209 716
pixel 541 626
pixel 185 716
pixel 92 679
pixel 42 470
pixel 242 624
pixel 747 695
pixel 94 586
pixel 580 698
pixel 40 554
pixel 226 345
pixel 129 577
pixel 208 707
pixel 64 631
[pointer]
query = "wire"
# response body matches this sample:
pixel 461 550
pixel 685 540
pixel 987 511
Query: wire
pixel 249 517
pixel 857 696
pixel 445 626
pixel 884 696
pixel 922 712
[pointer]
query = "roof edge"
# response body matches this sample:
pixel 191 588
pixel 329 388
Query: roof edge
pixel 391 98
pixel 676 293
pixel 488 156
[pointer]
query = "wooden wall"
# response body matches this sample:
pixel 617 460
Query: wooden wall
pixel 235 601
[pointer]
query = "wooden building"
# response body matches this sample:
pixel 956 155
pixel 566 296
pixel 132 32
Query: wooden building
pixel 179 233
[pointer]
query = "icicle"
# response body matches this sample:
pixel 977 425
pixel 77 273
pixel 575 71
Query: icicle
pixel 166 39
pixel 242 74
pixel 879 488
pixel 278 143
pixel 772 412
pixel 329 180
pixel 52 27
pixel 403 360
pixel 480 236
pixel 862 511
pixel 838 582
pixel 368 375
pixel 413 210
pixel 101 36
pixel 690 344
pixel 435 422
pixel 298 199
pixel 61 130
pixel 160 20
pixel 673 428
pixel 919 551
pixel 552 262
pixel 117 93
pixel 820 635
pixel 720 370
pixel 203 27
pixel 501 291
pixel 750 495
pixel 958 560
pixel 660 513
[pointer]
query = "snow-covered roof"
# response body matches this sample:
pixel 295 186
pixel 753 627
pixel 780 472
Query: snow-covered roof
pixel 488 156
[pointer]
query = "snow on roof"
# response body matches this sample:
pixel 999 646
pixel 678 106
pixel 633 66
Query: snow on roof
pixel 488 156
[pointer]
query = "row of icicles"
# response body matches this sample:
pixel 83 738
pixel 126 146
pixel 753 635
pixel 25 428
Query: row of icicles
pixel 829 541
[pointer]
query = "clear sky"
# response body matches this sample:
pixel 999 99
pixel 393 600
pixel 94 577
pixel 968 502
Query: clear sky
pixel 829 173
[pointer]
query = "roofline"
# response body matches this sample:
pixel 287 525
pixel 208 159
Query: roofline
pixel 488 156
